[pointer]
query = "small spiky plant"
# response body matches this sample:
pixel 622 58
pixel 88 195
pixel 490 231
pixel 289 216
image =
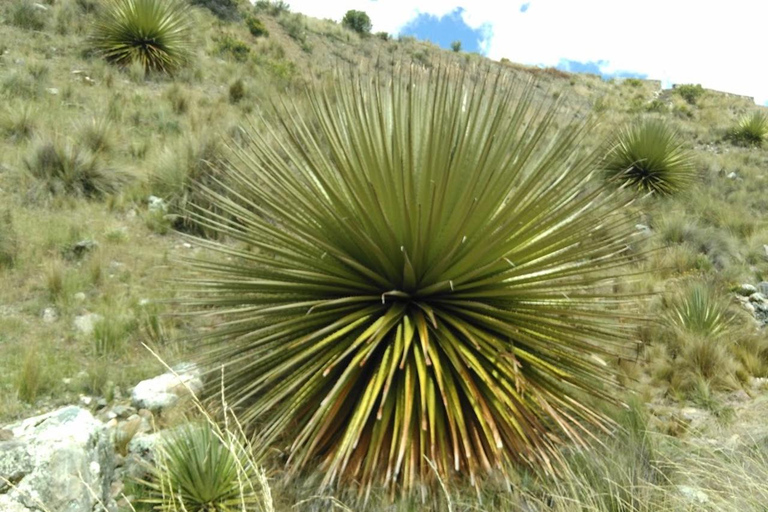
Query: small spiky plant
pixel 154 33
pixel 198 470
pixel 418 281
pixel 649 156
pixel 752 129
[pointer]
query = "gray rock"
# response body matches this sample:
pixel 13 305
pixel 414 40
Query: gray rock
pixel 157 204
pixel 693 494
pixel 745 289
pixel 79 297
pixel 164 390
pixel 757 298
pixel 61 461
pixel 50 315
pixel 762 287
pixel 84 246
pixel 85 323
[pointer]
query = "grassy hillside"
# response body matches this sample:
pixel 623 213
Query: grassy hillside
pixel 114 244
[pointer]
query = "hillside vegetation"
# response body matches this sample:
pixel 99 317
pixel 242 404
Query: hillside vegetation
pixel 116 218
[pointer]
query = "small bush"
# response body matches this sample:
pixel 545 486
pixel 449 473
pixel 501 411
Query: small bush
pixel 236 91
pixel 649 156
pixel 233 48
pixel 272 8
pixel 25 14
pixel 294 26
pixel 751 131
pixel 657 106
pixel 200 469
pixel 9 240
pixel 62 168
pixel 154 33
pixel 384 36
pixel 633 82
pixel 256 26
pixel 357 21
pixel 690 92
pixel 223 9
pixel 456 46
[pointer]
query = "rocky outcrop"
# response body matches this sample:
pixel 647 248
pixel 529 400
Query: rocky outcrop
pixel 62 461
pixel 164 390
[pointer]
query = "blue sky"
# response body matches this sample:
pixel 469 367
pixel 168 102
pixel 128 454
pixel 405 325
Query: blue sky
pixel 719 45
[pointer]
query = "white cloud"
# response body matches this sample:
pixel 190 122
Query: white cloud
pixel 720 45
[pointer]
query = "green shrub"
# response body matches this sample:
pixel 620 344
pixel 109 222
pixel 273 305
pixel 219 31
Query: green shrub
pixel 9 240
pixel 25 14
pixel 357 21
pixel 657 106
pixel 751 131
pixel 408 281
pixel 236 91
pixel 200 469
pixel 232 47
pixel 633 82
pixel 224 9
pixel 690 92
pixel 456 46
pixel 256 26
pixel 295 26
pixel 649 156
pixel 384 36
pixel 61 168
pixel 273 8
pixel 154 33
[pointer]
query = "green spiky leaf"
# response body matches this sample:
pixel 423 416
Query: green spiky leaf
pixel 649 156
pixel 423 274
pixel 154 33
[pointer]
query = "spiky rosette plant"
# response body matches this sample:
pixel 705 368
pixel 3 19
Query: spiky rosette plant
pixel 154 33
pixel 649 156
pixel 422 277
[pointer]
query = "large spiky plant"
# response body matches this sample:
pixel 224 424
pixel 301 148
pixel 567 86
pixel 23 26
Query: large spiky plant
pixel 649 156
pixel 154 33
pixel 422 277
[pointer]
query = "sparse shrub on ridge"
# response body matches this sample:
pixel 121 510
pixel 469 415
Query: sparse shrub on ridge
pixel 153 33
pixel 751 131
pixel 256 26
pixel 224 9
pixel 690 92
pixel 456 46
pixel 406 288
pixel 273 8
pixel 232 47
pixel 649 156
pixel 357 21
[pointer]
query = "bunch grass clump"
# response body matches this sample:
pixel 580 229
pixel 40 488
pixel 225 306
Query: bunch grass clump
pixel 410 296
pixel 62 168
pixel 650 157
pixel 156 34
pixel 752 130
